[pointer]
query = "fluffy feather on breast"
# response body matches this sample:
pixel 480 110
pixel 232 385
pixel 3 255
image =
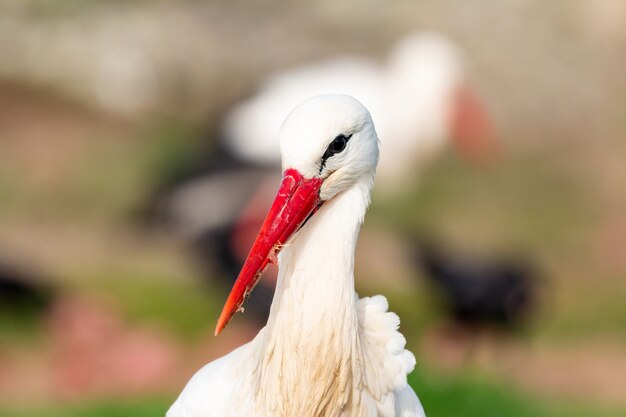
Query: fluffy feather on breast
pixel 388 362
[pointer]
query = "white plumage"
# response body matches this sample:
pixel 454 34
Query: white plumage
pixel 324 351
pixel 386 392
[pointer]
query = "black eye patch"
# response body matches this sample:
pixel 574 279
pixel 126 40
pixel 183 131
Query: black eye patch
pixel 336 146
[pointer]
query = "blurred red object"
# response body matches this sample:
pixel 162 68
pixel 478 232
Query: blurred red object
pixel 94 351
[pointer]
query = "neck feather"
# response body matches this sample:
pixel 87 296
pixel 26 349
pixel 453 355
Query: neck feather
pixel 308 350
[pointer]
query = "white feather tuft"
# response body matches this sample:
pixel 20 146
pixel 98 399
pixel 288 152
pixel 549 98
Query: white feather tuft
pixel 383 347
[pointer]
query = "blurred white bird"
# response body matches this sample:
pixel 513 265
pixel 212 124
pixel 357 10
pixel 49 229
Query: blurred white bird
pixel 419 101
pixel 324 351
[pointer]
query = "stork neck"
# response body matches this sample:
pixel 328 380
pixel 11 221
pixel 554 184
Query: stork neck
pixel 311 338
pixel 316 277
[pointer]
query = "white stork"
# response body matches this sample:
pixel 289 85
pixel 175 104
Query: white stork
pixel 323 351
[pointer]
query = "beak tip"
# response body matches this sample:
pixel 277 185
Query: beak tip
pixel 221 323
pixel 218 328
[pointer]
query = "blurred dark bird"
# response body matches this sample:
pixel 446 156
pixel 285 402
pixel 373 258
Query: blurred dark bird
pixel 217 206
pixel 22 293
pixel 479 291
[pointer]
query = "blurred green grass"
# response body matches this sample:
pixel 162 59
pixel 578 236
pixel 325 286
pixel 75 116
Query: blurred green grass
pixel 467 395
pixel 22 326
pixel 181 305
pixel 145 407
pixel 525 199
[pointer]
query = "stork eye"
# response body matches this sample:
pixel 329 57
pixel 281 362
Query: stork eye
pixel 336 146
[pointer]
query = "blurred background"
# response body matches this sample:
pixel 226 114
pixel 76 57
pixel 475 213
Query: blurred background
pixel 120 230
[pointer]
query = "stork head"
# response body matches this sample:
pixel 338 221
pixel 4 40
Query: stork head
pixel 331 138
pixel 431 67
pixel 328 143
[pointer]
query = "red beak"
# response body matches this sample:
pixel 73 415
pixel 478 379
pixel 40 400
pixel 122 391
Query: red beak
pixel 297 198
